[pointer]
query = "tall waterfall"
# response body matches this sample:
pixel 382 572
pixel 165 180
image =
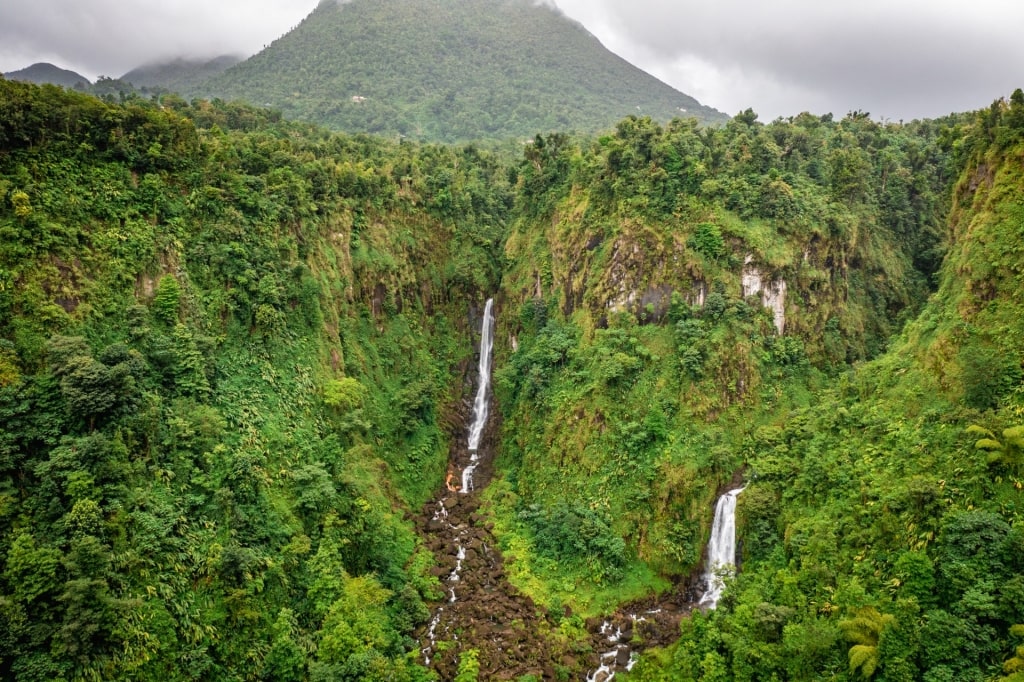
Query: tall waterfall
pixel 480 404
pixel 721 548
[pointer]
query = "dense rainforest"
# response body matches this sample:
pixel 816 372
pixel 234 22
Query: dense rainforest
pixel 236 351
pixel 226 368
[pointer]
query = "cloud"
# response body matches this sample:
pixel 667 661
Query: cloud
pixel 900 59
pixel 110 37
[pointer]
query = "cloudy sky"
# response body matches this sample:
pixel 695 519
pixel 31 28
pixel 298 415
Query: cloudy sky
pixel 897 59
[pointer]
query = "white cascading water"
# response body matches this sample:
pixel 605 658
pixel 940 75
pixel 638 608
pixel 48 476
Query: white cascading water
pixel 721 563
pixel 476 429
pixel 721 548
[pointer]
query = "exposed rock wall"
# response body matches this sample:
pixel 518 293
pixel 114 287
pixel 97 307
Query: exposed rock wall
pixel 773 294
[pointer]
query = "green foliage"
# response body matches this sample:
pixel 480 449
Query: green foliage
pixel 177 500
pixel 572 534
pixel 345 394
pixel 167 300
pixel 988 375
pixel 1008 449
pixel 707 240
pixel 864 630
pixel 469 666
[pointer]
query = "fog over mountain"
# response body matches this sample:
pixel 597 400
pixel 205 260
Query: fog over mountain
pixel 896 60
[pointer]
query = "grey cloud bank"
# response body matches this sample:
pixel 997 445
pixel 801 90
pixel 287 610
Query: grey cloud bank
pixel 899 59
pixel 895 59
pixel 110 37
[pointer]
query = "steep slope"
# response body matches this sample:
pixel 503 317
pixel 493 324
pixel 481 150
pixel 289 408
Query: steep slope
pixel 179 75
pixel 229 364
pixel 48 73
pixel 883 530
pixel 234 352
pixel 666 285
pixel 883 534
pixel 449 70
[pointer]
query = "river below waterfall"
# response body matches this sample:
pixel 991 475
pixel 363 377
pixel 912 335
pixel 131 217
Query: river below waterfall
pixel 480 610
pixel 660 617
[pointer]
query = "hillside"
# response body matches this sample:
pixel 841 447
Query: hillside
pixel 238 356
pixel 229 363
pixel 48 73
pixel 178 75
pixel 666 285
pixel 882 530
pixel 448 70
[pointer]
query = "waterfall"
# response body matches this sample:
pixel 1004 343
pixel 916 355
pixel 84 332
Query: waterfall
pixel 480 405
pixel 721 548
pixel 461 533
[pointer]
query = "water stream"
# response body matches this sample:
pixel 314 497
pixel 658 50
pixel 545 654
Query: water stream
pixel 721 564
pixel 472 579
pixel 460 533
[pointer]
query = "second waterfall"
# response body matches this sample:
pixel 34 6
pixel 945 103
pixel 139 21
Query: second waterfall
pixel 721 549
pixel 480 403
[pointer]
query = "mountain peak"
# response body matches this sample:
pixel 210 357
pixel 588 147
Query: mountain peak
pixel 43 72
pixel 449 70
pixel 181 74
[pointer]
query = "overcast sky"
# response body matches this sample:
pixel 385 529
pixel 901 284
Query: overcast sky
pixel 897 59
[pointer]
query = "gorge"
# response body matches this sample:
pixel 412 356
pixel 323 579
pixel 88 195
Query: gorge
pixel 239 356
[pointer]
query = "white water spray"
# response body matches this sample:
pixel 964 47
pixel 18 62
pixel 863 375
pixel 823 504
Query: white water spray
pixel 721 548
pixel 480 404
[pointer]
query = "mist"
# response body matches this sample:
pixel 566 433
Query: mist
pixel 109 37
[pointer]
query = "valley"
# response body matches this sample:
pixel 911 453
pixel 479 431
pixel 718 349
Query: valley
pixel 244 435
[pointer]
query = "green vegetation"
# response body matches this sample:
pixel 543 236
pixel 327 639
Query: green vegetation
pixel 882 538
pixel 232 359
pixel 448 70
pixel 640 363
pixel 225 372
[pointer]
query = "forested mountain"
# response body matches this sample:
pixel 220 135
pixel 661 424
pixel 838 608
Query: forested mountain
pixel 48 73
pixel 236 353
pixel 178 75
pixel 449 70
pixel 883 528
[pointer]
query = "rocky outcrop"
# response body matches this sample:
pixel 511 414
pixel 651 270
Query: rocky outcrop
pixel 773 293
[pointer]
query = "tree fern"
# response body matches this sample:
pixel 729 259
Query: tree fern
pixel 864 630
pixel 1009 451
